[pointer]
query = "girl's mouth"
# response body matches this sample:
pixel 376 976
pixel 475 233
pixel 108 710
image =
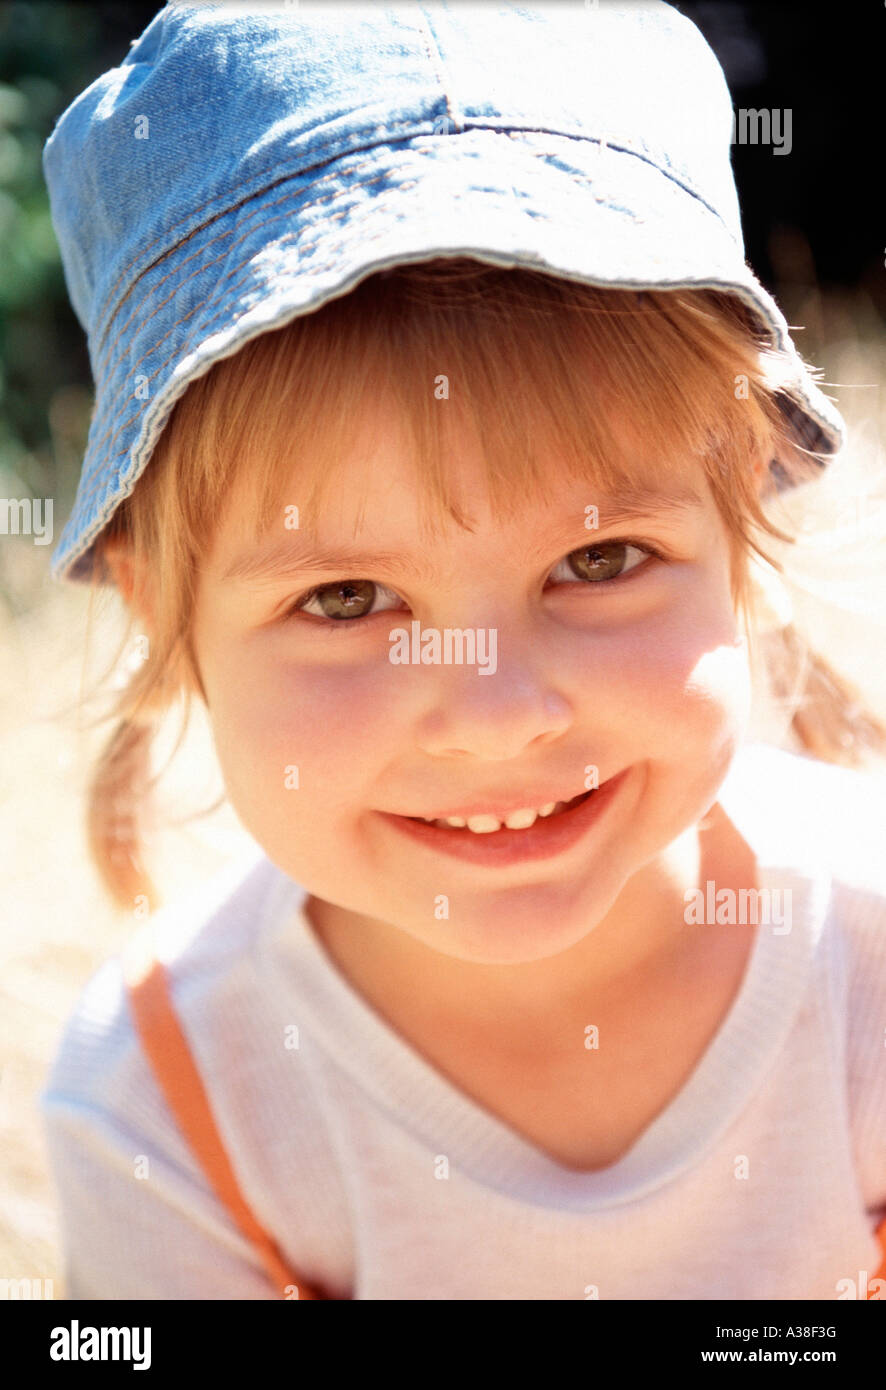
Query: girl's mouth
pixel 486 825
pixel 547 836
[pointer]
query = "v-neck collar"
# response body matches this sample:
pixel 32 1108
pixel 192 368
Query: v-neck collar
pixel 432 1108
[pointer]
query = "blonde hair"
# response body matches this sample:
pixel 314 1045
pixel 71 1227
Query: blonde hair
pixel 595 374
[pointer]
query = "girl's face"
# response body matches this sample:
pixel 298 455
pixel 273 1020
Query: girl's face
pixel 623 668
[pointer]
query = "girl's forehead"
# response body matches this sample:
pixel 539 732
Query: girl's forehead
pixel 396 456
pixel 380 496
pixel 383 458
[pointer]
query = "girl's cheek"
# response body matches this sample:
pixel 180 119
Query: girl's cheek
pixel 684 677
pixel 283 726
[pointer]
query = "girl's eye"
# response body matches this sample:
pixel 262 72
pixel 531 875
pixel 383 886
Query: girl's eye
pixel 344 598
pixel 606 560
pixel 350 599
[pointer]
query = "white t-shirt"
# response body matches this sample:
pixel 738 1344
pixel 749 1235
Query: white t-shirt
pixel 378 1178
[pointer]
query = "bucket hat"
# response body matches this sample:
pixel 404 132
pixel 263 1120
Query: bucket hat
pixel 247 163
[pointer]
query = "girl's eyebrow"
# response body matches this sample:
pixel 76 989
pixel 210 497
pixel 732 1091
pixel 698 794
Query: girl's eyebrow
pixel 282 558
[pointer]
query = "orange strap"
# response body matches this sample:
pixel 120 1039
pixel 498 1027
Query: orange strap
pixel 169 1053
pixel 881 1272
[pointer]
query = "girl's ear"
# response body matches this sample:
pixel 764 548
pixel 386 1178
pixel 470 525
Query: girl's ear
pixel 119 562
pixel 764 482
pixel 118 557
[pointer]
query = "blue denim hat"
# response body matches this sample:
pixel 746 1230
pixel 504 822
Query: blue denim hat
pixel 247 163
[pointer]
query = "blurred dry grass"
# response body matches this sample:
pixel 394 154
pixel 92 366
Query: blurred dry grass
pixel 57 925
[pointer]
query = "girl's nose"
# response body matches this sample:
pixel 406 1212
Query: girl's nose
pixel 497 716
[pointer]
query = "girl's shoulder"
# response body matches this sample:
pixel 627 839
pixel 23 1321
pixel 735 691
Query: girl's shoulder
pixel 205 941
pixel 143 1215
pixel 822 829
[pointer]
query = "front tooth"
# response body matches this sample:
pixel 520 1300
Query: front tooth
pixel 482 825
pixel 485 825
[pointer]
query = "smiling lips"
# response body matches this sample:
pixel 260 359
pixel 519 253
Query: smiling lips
pixel 485 823
pixel 495 844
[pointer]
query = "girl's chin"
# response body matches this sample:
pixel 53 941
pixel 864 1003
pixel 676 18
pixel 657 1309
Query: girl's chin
pixel 510 928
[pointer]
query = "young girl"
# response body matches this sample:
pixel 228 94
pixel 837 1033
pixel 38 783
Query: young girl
pixel 546 980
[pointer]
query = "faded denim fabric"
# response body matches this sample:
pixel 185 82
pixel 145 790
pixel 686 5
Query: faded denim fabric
pixel 246 163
